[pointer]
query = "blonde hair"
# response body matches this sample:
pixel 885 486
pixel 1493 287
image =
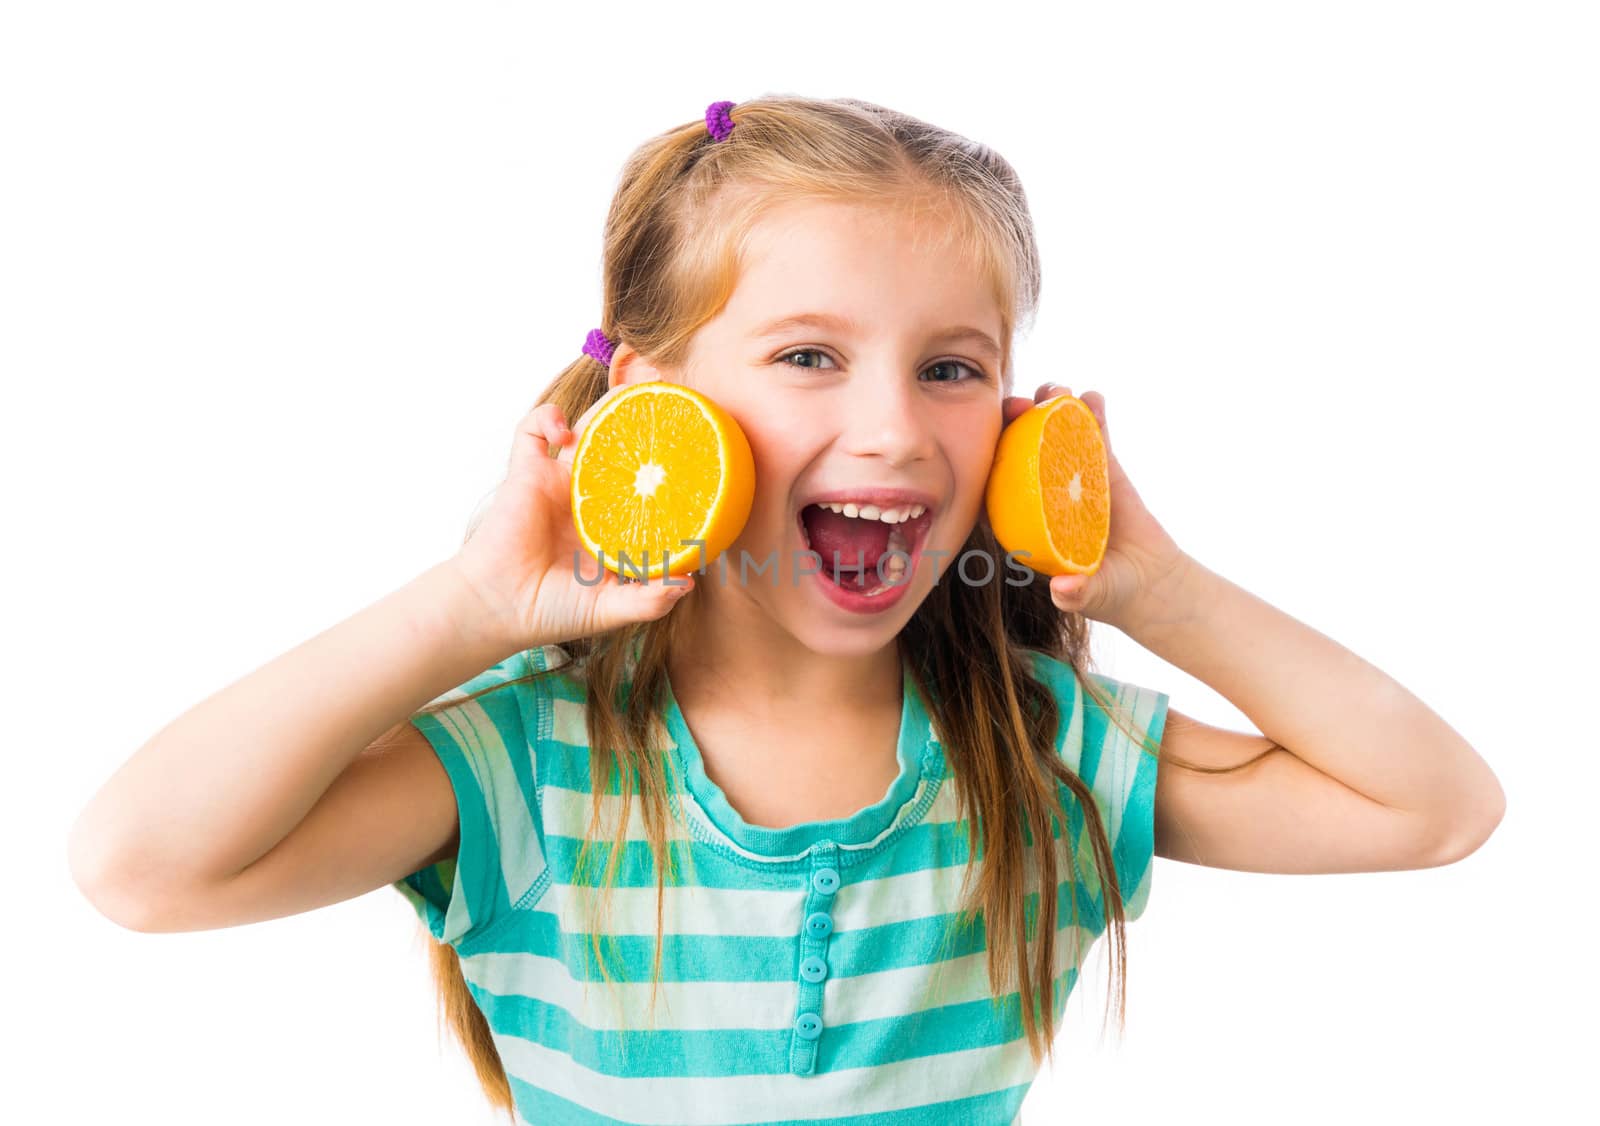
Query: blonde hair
pixel 674 236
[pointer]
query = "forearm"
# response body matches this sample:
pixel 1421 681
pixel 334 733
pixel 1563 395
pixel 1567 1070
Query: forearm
pixel 226 781
pixel 1318 700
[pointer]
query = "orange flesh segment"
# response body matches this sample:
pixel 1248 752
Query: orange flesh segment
pixel 650 479
pixel 1074 489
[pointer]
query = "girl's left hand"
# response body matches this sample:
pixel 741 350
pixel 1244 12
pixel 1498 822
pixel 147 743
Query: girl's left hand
pixel 1142 566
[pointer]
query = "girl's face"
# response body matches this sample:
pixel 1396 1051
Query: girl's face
pixel 855 360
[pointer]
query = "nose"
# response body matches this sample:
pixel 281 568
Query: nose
pixel 885 415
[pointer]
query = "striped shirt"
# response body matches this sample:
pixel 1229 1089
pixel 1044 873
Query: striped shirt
pixel 811 973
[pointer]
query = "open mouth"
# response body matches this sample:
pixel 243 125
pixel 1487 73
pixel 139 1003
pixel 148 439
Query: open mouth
pixel 852 541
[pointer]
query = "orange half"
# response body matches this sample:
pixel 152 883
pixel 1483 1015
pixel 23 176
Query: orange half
pixel 656 469
pixel 1049 492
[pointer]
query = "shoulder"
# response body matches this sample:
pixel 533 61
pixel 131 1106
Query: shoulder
pixel 1109 734
pixel 504 674
pixel 491 734
pixel 1098 711
pixel 539 670
pixel 509 709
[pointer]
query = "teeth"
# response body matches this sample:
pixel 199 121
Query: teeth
pixel 873 512
pixel 893 567
pixel 894 571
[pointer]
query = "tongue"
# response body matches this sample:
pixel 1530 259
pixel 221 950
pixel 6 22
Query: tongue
pixel 857 542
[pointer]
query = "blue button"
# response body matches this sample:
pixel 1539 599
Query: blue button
pixel 813 969
pixel 825 880
pixel 818 924
pixel 809 1026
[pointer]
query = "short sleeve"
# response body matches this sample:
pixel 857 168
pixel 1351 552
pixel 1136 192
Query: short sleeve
pixel 488 747
pixel 1119 771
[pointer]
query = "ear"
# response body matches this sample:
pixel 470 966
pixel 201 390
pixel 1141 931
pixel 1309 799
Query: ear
pixel 628 366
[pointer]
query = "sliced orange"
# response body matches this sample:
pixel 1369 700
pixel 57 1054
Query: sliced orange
pixel 1048 492
pixel 658 467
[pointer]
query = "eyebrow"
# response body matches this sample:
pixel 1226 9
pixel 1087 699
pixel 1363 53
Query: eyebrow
pixel 959 333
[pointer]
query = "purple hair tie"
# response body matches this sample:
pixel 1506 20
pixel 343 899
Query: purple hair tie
pixel 599 347
pixel 718 120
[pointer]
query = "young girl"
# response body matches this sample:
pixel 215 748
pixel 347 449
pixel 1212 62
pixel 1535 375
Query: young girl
pixel 764 845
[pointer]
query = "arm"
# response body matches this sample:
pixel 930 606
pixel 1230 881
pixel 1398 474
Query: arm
pixel 180 835
pixel 1354 772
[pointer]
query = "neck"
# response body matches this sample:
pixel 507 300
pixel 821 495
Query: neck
pixel 727 648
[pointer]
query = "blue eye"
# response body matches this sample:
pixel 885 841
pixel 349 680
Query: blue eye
pixel 803 352
pixel 974 373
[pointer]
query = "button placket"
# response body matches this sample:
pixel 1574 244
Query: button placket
pixel 822 884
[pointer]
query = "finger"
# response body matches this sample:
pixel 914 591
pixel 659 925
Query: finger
pixel 1066 591
pixel 554 427
pixel 1013 406
pixel 646 601
pixel 558 446
pixel 538 434
pixel 1097 403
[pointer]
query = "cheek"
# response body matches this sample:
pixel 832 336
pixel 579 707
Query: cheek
pixel 972 454
pixel 775 456
pixel 778 462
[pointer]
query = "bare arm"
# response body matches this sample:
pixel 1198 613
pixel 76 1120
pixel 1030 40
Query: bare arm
pixel 260 801
pixel 1358 775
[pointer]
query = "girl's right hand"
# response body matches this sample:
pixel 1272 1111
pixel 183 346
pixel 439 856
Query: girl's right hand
pixel 523 558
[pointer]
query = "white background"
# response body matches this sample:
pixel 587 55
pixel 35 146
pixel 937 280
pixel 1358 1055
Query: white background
pixel 279 279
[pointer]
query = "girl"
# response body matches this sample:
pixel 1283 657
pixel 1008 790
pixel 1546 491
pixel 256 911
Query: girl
pixel 762 844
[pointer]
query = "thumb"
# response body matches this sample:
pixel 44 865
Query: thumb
pixel 636 601
pixel 540 434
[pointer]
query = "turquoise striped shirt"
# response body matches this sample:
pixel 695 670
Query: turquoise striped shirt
pixel 811 973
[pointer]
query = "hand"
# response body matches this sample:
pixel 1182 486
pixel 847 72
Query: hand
pixel 1142 566
pixel 524 558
